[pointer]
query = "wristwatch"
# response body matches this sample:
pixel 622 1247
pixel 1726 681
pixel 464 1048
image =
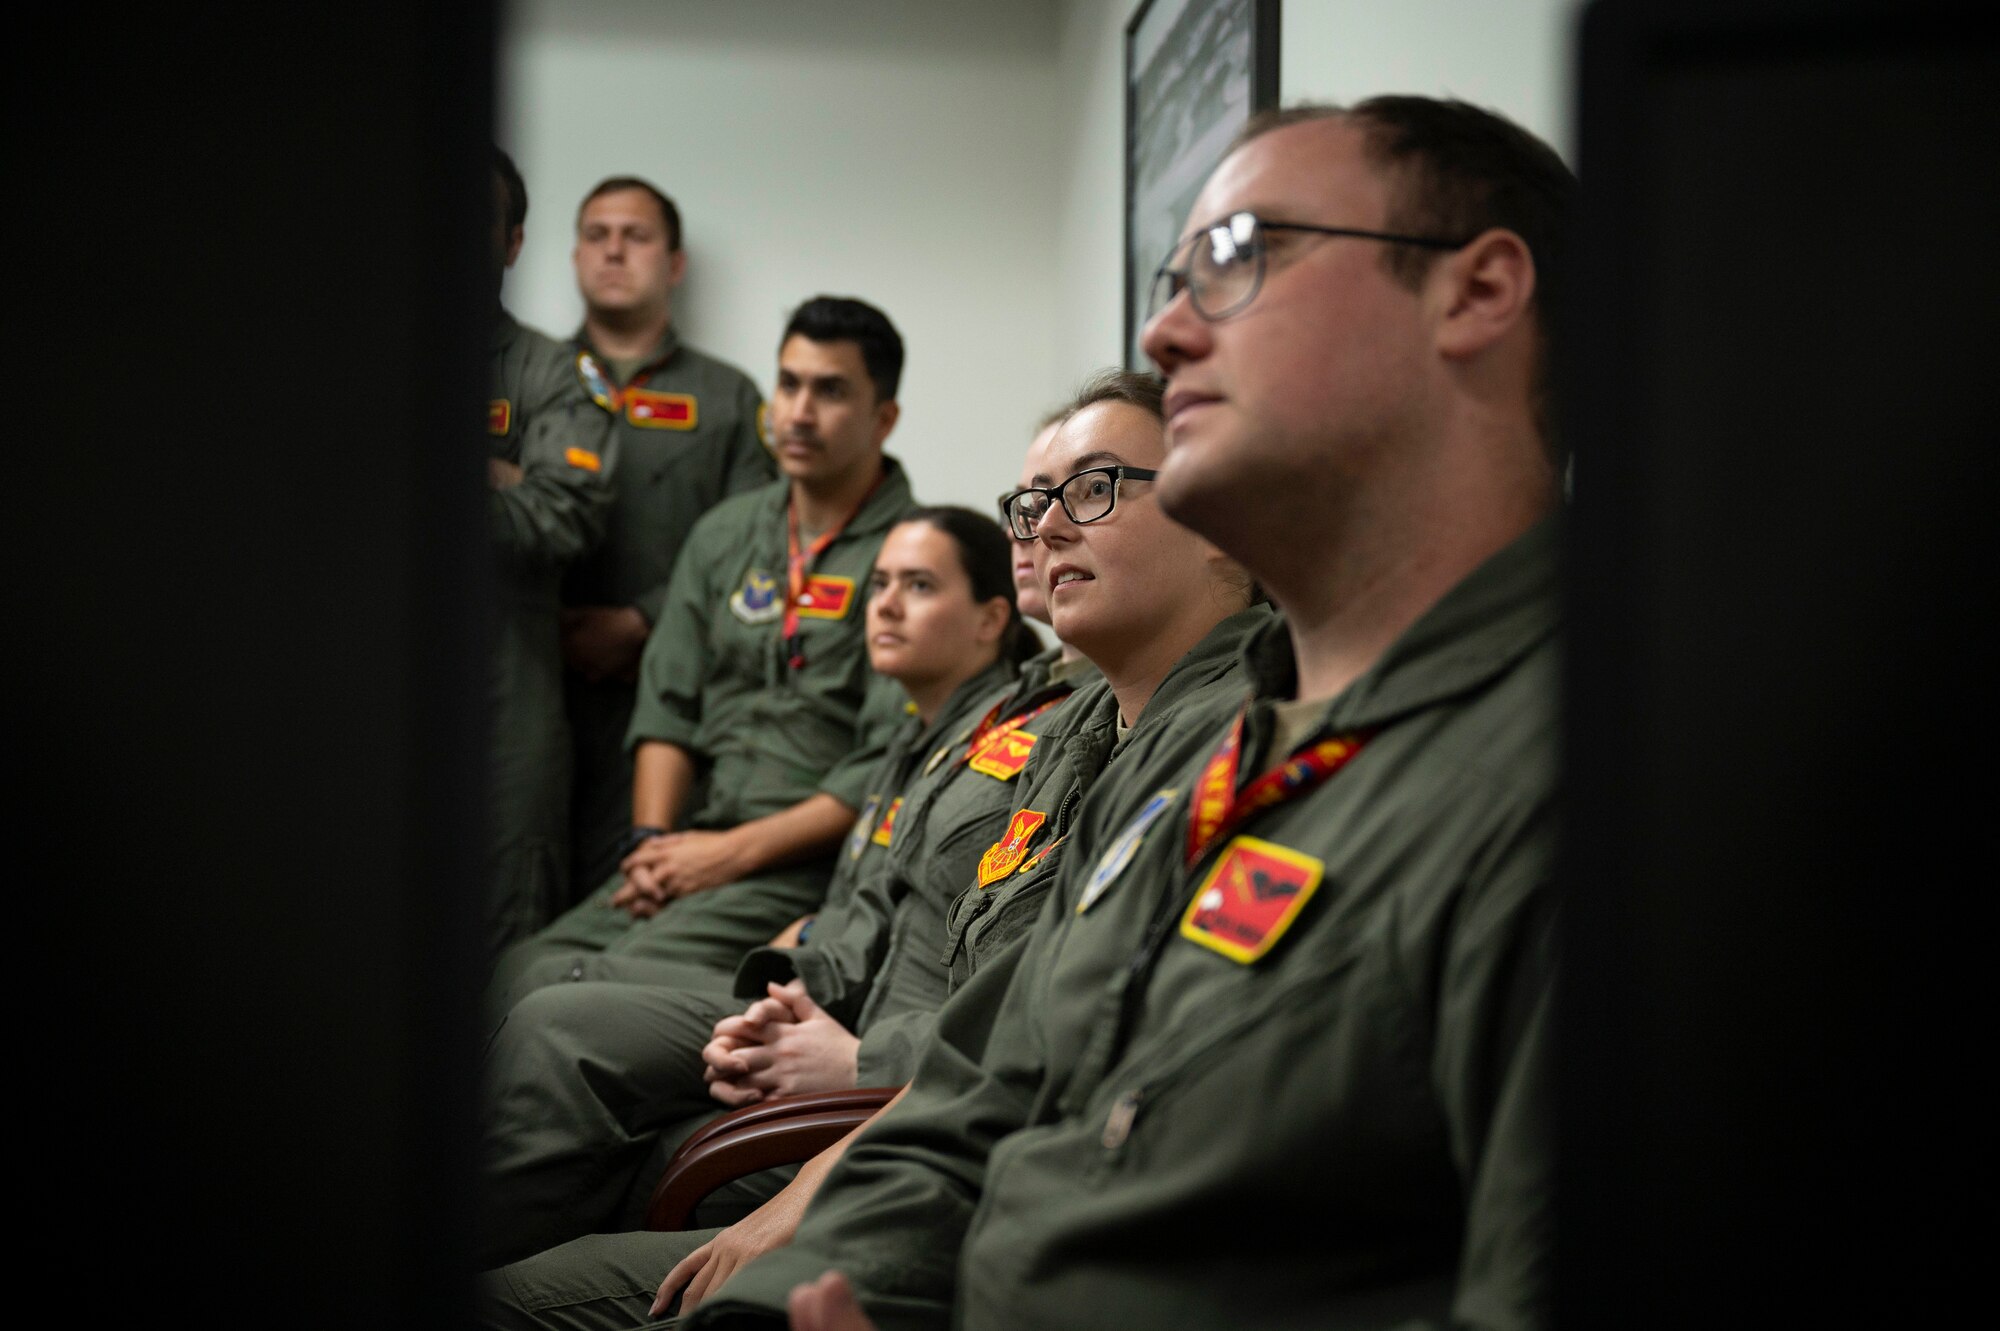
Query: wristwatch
pixel 635 837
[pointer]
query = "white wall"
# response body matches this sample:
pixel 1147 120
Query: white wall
pixel 896 150
pixel 957 162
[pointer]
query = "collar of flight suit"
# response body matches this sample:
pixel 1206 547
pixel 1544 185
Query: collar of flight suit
pixel 662 352
pixel 884 508
pixel 1492 618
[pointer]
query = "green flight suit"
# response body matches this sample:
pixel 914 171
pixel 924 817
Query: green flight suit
pixel 566 1154
pixel 539 419
pixel 898 972
pixel 1351 1130
pixel 765 732
pixel 690 435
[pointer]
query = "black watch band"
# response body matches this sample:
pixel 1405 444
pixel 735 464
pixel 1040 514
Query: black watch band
pixel 635 837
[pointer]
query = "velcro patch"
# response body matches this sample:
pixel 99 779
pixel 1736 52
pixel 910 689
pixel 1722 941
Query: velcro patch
pixel 826 597
pixel 499 416
pixel 1115 859
pixel 758 600
pixel 1005 855
pixel 1002 754
pixel 583 459
pixel 864 826
pixel 888 827
pixel 1250 897
pixel 660 411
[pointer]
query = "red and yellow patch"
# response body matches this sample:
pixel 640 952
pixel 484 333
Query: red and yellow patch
pixel 1005 855
pixel 499 416
pixel 1251 896
pixel 826 597
pixel 764 423
pixel 1002 754
pixel 660 411
pixel 583 458
pixel 888 827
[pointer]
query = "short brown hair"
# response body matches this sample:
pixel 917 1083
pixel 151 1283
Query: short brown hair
pixel 1147 392
pixel 670 216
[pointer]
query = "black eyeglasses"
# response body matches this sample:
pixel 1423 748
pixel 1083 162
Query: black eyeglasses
pixel 1087 496
pixel 1224 263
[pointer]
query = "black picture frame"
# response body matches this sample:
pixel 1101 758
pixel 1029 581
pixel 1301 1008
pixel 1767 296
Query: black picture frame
pixel 1195 70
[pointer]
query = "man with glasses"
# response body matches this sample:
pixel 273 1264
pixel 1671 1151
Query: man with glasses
pixel 1277 1053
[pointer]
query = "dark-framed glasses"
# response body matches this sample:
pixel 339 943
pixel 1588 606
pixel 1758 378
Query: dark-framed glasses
pixel 1087 496
pixel 1221 266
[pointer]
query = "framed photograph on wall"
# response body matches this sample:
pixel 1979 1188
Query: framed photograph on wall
pixel 1195 70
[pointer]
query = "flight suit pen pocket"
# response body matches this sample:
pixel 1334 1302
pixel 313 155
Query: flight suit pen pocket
pixel 1139 1095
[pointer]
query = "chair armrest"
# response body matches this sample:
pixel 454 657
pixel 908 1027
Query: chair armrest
pixel 787 1130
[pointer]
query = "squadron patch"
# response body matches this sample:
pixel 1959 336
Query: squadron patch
pixel 596 383
pixel 1005 855
pixel 888 827
pixel 826 597
pixel 1002 754
pixel 660 411
pixel 857 840
pixel 758 600
pixel 1250 897
pixel 499 416
pixel 583 459
pixel 1123 849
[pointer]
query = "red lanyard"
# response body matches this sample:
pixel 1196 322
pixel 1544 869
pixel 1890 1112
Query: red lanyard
pixel 1217 806
pixel 795 576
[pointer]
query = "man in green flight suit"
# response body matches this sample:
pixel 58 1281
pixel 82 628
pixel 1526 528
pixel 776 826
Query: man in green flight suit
pixel 751 745
pixel 690 436
pixel 1277 1052
pixel 550 470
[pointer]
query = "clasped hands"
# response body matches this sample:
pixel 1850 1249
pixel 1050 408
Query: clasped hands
pixel 782 1044
pixel 676 865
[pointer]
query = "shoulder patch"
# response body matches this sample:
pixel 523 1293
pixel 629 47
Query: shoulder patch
pixel 583 459
pixel 887 830
pixel 1002 754
pixel 757 601
pixel 499 416
pixel 764 423
pixel 1250 898
pixel 1005 855
pixel 661 411
pixel 596 382
pixel 1123 849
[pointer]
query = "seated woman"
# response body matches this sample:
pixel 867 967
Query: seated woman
pixel 1161 614
pixel 943 626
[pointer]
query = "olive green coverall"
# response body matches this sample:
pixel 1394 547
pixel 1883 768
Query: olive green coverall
pixel 539 419
pixel 1345 1125
pixel 689 433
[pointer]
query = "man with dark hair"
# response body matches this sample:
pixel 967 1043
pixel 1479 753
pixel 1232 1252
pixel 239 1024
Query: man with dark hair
pixel 748 733
pixel 689 428
pixel 550 467
pixel 1277 1053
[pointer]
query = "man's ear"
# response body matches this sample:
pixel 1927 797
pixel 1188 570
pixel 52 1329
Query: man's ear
pixel 514 239
pixel 677 267
pixel 885 418
pixel 1482 292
